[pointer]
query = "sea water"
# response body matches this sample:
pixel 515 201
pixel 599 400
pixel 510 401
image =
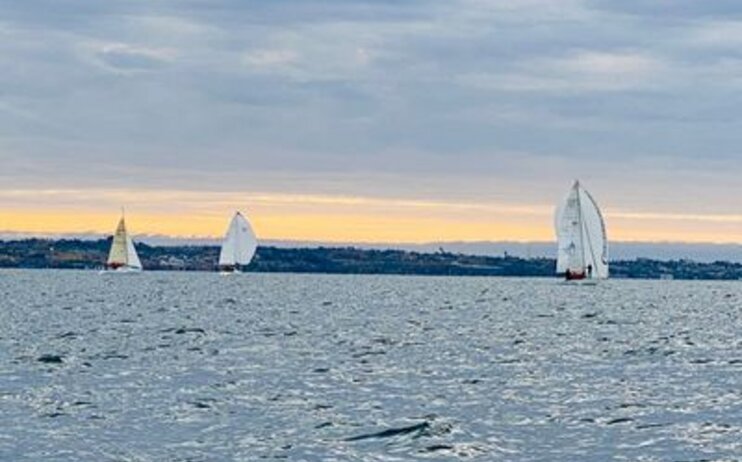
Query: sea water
pixel 201 367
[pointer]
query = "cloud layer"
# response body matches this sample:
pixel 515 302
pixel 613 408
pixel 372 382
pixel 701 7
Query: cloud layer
pixel 457 101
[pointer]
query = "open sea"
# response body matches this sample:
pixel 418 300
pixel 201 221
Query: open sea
pixel 201 367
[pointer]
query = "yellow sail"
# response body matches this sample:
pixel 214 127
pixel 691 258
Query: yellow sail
pixel 118 256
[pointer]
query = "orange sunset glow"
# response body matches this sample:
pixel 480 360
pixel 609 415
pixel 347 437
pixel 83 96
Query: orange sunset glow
pixel 333 219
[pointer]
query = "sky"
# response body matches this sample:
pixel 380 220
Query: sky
pixel 371 120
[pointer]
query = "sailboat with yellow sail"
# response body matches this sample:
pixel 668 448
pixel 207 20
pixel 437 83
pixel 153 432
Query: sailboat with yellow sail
pixel 122 258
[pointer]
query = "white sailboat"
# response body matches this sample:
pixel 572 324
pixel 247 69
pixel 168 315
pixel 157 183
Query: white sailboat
pixel 580 230
pixel 123 256
pixel 239 246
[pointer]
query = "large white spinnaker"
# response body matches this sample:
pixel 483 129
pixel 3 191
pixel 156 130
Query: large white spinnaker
pixel 580 229
pixel 123 255
pixel 239 245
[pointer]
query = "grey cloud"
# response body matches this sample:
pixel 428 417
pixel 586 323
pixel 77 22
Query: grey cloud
pixel 684 9
pixel 126 58
pixel 374 97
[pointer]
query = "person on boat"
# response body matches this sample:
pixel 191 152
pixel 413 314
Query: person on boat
pixel 589 271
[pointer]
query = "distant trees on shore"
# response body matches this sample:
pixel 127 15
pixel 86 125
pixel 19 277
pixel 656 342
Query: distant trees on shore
pixel 91 254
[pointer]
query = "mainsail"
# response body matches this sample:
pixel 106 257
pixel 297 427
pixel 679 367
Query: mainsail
pixel 239 244
pixel 580 229
pixel 123 254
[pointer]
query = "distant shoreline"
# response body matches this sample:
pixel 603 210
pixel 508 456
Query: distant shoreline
pixel 87 254
pixel 705 252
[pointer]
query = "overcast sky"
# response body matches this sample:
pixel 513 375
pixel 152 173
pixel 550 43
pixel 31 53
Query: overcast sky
pixel 494 106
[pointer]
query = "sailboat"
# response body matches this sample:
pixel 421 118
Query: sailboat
pixel 239 245
pixel 580 230
pixel 123 256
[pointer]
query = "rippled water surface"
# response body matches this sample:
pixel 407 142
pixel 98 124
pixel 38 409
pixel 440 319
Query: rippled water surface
pixel 198 367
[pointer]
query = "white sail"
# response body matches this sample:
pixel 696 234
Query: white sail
pixel 239 243
pixel 122 253
pixel 580 229
pixel 131 254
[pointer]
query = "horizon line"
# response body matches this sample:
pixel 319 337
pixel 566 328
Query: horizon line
pixel 7 235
